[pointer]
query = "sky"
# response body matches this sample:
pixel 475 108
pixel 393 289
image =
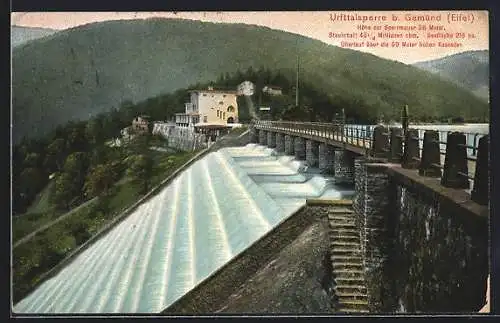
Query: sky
pixel 468 29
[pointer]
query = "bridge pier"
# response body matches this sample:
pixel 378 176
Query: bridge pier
pixel 263 137
pixel 271 139
pixel 344 166
pixel 289 148
pixel 312 152
pixel 326 158
pixel 280 142
pixel 300 148
pixel 254 135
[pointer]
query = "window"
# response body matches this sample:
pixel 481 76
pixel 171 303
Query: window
pixel 204 118
pixel 223 95
pixel 204 94
pixel 221 102
pixel 230 108
pixel 223 115
pixel 217 113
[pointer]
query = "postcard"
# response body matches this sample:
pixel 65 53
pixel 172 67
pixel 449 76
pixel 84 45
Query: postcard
pixel 250 163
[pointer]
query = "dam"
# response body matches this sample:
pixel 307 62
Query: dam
pixel 209 214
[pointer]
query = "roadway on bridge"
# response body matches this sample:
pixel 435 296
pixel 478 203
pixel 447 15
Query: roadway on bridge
pixel 211 212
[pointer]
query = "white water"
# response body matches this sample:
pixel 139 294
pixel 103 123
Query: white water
pixel 211 212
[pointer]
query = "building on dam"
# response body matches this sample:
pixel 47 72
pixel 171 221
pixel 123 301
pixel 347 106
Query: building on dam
pixel 209 111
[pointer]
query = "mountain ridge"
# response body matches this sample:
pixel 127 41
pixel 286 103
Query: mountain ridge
pixel 469 69
pixel 20 35
pixel 85 70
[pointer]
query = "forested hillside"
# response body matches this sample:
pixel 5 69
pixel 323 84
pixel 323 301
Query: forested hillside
pixel 83 71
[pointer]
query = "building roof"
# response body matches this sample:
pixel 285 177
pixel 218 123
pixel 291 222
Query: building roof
pixel 274 87
pixel 215 91
pixel 211 125
pixel 187 114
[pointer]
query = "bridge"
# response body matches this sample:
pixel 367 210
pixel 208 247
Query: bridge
pixel 326 144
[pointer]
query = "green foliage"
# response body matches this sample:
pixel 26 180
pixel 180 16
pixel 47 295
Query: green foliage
pixel 100 179
pixel 64 189
pixel 31 181
pixel 76 164
pixel 140 170
pixel 55 154
pixel 94 132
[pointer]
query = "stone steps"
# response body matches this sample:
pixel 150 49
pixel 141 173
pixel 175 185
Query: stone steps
pixel 347 262
pixel 351 296
pixel 346 238
pixel 350 306
pixel 354 280
pixel 349 288
pixel 345 231
pixel 343 226
pixel 337 251
pixel 348 266
pixel 343 242
pixel 341 258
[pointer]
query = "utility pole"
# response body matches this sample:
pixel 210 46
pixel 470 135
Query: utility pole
pixel 297 83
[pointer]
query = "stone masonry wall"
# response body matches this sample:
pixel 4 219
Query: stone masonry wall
pixel 424 250
pixel 440 255
pixel 181 138
pixel 371 205
pixel 358 203
pixel 375 240
pixel 344 166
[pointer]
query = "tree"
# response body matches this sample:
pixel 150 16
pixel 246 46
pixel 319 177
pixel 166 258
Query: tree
pixel 64 190
pixel 100 180
pixel 31 160
pixel 76 140
pixel 140 170
pixel 30 182
pixel 128 111
pixel 76 164
pixel 94 131
pixel 56 153
pixel 59 243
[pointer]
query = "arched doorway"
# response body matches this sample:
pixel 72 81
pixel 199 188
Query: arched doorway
pixel 230 120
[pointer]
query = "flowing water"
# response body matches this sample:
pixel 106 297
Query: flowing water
pixel 211 212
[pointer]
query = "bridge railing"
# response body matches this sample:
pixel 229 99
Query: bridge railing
pixel 456 162
pixel 460 164
pixel 357 136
